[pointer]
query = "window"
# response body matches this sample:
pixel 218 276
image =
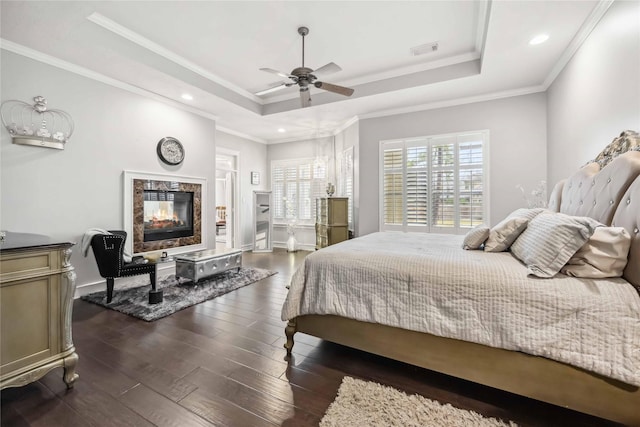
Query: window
pixel 345 180
pixel 434 184
pixel 296 184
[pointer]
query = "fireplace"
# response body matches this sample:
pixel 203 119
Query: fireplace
pixel 167 214
pixel 164 212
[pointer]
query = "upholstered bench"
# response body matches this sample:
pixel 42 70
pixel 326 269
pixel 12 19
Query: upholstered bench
pixel 202 264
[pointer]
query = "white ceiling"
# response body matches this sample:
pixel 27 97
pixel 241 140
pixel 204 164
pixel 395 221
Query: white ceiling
pixel 213 50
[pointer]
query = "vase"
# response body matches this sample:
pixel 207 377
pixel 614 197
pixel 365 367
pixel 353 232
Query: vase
pixel 292 243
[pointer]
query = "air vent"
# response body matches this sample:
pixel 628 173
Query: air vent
pixel 424 48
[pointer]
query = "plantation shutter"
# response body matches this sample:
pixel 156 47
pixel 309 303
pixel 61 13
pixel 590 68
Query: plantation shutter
pixel 393 185
pixel 277 187
pixel 443 213
pixel 295 185
pixel 417 183
pixel 471 180
pixel 434 183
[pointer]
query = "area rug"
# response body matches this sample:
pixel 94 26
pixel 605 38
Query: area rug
pixel 363 403
pixel 178 293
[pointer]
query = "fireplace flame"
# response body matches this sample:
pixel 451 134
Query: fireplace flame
pixel 163 219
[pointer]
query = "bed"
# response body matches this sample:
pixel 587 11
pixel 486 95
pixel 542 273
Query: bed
pixel 423 300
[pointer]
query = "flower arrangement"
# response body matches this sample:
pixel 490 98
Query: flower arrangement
pixel 538 196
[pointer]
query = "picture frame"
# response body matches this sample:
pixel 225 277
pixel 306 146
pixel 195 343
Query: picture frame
pixel 255 178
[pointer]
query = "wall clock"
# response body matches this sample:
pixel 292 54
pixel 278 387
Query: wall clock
pixel 170 151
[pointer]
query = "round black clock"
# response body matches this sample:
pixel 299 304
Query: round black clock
pixel 170 151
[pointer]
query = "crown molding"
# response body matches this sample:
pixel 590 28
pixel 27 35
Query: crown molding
pixel 144 42
pixel 345 125
pixel 455 102
pixel 85 72
pixel 311 134
pixel 240 134
pixel 583 33
pixel 484 17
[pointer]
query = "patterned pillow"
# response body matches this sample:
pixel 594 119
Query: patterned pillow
pixel 475 237
pixel 550 241
pixel 508 230
pixel 604 255
pixel 628 140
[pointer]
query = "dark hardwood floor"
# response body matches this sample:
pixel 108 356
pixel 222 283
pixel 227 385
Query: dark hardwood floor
pixel 222 363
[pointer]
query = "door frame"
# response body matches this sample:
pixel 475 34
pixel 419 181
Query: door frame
pixel 235 211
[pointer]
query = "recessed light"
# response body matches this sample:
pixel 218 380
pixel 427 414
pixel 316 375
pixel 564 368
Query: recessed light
pixel 187 96
pixel 282 130
pixel 540 38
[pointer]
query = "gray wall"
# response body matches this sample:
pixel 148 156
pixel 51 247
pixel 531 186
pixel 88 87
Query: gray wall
pixel 253 158
pixel 597 95
pixel 62 193
pixel 517 149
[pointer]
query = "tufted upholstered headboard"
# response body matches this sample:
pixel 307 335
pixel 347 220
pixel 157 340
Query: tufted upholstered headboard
pixel 611 196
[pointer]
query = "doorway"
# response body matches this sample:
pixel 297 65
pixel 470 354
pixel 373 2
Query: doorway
pixel 226 219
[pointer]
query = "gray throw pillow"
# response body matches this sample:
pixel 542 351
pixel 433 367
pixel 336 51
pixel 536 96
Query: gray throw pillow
pixel 507 231
pixel 475 237
pixel 550 240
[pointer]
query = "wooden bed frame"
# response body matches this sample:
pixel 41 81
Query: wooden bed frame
pixel 590 192
pixel 530 376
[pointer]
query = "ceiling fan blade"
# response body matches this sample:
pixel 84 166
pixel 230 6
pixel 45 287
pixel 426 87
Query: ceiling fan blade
pixel 272 89
pixel 331 67
pixel 305 96
pixel 280 73
pixel 346 91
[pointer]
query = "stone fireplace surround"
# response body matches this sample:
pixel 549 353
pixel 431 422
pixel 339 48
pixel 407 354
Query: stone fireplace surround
pixel 134 185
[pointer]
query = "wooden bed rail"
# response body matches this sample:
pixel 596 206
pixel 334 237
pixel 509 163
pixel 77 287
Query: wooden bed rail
pixel 531 376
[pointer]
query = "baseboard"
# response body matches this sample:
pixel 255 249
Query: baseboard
pixel 101 285
pixel 299 246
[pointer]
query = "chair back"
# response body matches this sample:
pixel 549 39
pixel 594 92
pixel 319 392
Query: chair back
pixel 108 250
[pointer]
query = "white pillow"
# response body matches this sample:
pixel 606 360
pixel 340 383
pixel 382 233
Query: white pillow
pixel 475 237
pixel 604 255
pixel 550 240
pixel 508 230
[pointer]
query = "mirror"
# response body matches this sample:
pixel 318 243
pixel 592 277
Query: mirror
pixel 262 226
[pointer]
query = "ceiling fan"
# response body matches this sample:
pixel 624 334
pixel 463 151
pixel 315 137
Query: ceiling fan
pixel 303 77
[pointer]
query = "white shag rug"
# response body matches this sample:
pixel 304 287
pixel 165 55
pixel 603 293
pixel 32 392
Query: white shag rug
pixel 363 403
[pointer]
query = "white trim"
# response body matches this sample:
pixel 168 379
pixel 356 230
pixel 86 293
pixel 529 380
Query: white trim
pixel 129 176
pixel 484 17
pixel 345 125
pixel 304 247
pixel 236 191
pixel 583 33
pixel 85 72
pixel 455 102
pixel 312 134
pixel 144 42
pixel 240 134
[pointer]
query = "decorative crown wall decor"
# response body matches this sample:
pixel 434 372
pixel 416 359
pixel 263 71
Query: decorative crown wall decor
pixel 36 124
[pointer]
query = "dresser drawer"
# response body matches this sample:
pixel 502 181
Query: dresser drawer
pixel 28 264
